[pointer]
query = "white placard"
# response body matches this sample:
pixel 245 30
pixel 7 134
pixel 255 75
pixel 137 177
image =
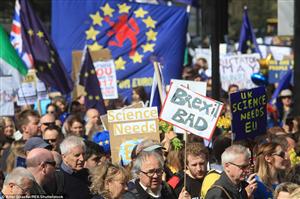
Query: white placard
pixel 279 52
pixel 41 90
pixel 106 74
pixel 6 96
pixel 191 111
pixel 237 69
pixel 26 94
pixel 196 86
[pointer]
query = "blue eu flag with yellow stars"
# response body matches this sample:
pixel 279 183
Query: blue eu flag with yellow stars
pixel 38 44
pixel 134 33
pixel 247 42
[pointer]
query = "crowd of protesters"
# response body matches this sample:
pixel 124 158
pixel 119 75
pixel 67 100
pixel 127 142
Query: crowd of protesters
pixel 59 154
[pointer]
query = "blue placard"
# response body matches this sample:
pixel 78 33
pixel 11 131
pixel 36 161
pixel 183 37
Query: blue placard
pixel 249 114
pixel 277 69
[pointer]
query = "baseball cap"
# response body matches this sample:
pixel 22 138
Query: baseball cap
pixel 286 93
pixel 36 142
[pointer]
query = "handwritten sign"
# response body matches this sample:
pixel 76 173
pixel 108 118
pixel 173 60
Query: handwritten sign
pixel 107 77
pixel 277 69
pixel 27 94
pixel 191 111
pixel 237 69
pixel 249 115
pixel 6 96
pixel 131 124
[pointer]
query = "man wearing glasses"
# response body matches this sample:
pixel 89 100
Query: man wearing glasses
pixel 46 121
pixel 17 184
pixel 148 171
pixel 232 184
pixel 40 163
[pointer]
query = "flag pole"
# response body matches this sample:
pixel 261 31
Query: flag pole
pixel 159 84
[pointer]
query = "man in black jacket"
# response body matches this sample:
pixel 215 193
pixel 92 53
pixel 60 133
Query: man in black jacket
pixel 231 184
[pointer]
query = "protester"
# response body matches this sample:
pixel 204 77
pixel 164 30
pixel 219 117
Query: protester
pixel 196 164
pixel 75 126
pixel 148 170
pixel 284 190
pixel 286 110
pixel 94 155
pixel 232 184
pixel 271 159
pixel 92 120
pixel 46 121
pixel 53 136
pixel 40 163
pixel 8 128
pixel 28 121
pixel 36 142
pixel 108 181
pixel 17 183
pixel 139 94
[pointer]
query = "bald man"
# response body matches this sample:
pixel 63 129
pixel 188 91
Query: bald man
pixel 40 163
pixel 92 118
pixel 46 120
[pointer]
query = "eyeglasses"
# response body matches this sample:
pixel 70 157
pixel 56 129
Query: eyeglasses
pixel 281 154
pixel 50 140
pixel 52 163
pixel 24 191
pixel 48 123
pixel 242 167
pixel 151 172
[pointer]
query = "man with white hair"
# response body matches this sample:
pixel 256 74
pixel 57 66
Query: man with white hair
pixel 232 184
pixel 72 179
pixel 17 183
pixel 40 163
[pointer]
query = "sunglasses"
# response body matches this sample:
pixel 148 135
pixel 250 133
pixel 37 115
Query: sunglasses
pixel 48 123
pixel 52 163
pixel 50 140
pixel 281 154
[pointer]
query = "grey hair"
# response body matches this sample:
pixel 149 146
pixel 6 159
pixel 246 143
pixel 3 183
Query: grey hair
pixel 17 175
pixel 70 142
pixel 231 153
pixel 142 157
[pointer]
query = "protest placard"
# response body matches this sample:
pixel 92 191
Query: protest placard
pixel 106 74
pixel 6 96
pixel 27 93
pixel 237 69
pixel 277 69
pixel 129 126
pixel 249 115
pixel 191 111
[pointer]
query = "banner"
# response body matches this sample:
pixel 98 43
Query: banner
pixel 191 111
pixel 249 114
pixel 134 33
pixel 237 69
pixel 277 69
pixel 128 126
pixel 6 96
pixel 106 74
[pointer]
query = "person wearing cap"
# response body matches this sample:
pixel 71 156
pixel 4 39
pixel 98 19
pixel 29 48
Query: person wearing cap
pixel 35 142
pixel 196 164
pixel 40 163
pixel 286 99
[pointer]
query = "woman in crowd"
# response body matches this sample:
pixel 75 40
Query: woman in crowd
pixel 271 159
pixel 139 94
pixel 75 126
pixel 108 181
pixel 9 128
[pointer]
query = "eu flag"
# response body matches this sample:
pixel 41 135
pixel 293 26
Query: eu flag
pixel 39 45
pixel 133 32
pixel 247 43
pixel 88 79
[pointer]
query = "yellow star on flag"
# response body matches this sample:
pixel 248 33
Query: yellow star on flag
pixel 86 74
pixel 49 65
pixel 40 34
pixel 136 58
pixel 140 13
pixel 107 10
pixel 106 142
pixel 91 33
pixel 148 47
pixel 30 32
pixel 93 72
pixel 97 97
pixel 95 46
pixel 97 19
pixel 151 35
pixel 123 8
pixel 150 23
pixel 120 64
pixel 90 97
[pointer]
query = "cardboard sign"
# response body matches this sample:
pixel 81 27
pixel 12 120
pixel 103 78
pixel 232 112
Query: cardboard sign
pixel 191 111
pixel 106 73
pixel 197 87
pixel 237 69
pixel 131 124
pixel 249 115
pixel 277 69
pixel 6 96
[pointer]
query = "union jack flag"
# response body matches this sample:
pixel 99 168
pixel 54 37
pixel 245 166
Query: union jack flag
pixel 16 38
